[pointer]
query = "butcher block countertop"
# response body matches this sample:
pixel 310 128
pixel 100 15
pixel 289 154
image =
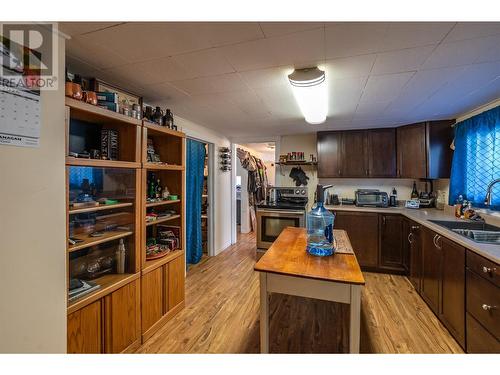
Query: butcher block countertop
pixel 288 256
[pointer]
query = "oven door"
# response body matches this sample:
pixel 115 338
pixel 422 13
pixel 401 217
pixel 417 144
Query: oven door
pixel 270 223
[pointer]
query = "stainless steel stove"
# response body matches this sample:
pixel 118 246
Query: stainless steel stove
pixel 287 210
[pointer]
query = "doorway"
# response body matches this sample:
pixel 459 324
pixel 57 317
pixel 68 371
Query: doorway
pixel 255 173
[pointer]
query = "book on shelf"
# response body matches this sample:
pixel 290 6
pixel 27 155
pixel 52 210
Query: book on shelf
pixel 86 288
pixel 110 97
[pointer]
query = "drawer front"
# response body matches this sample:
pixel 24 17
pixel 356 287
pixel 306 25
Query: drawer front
pixel 483 267
pixel 483 302
pixel 480 340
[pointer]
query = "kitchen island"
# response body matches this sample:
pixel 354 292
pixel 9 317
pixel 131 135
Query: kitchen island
pixel 287 268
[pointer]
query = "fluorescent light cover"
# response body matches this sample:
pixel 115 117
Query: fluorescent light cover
pixel 310 91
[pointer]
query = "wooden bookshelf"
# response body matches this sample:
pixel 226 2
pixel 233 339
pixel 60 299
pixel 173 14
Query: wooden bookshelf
pixel 164 167
pixel 101 163
pixel 93 241
pixel 162 220
pixel 162 279
pixel 109 283
pixel 97 115
pixel 155 263
pixel 89 314
pixel 103 207
pixel 156 204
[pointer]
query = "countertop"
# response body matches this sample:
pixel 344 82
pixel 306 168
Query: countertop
pixel 288 256
pixel 422 216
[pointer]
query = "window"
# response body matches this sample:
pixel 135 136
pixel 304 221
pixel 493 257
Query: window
pixel 476 160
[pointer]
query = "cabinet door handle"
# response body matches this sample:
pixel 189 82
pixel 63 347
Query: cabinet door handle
pixel 366 171
pixel 435 240
pixel 488 270
pixel 410 236
pixel 488 307
pixel 383 220
pixel 339 172
pixel 415 227
pixel 439 246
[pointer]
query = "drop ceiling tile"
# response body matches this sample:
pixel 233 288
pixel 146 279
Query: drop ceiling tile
pixel 280 101
pixel 386 87
pixel 353 38
pixel 164 92
pixel 420 87
pixel 470 30
pixel 203 63
pixel 297 48
pixel 356 66
pixel 79 28
pixel 222 33
pixel 403 60
pixel 214 84
pixel 267 77
pixel 492 51
pixel 282 28
pixel 95 55
pixel 139 41
pixel 463 52
pixel 401 35
pixel 153 71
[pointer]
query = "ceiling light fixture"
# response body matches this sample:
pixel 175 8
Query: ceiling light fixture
pixel 311 94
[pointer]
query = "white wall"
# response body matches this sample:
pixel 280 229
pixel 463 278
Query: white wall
pixel 222 182
pixel 33 236
pixel 344 187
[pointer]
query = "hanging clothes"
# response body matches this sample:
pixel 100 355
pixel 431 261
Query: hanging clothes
pixel 257 176
pixel 195 155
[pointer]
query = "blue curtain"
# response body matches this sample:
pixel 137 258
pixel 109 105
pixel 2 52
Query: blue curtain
pixel 195 155
pixel 476 160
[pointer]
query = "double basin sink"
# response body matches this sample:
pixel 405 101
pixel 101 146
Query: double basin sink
pixel 476 231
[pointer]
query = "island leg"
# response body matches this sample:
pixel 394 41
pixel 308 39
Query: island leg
pixel 355 319
pixel 264 314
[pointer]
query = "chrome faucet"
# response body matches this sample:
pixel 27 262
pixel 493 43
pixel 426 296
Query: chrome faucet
pixel 487 199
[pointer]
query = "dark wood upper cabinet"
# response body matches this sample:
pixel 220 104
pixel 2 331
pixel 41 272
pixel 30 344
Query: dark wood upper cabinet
pixel 423 150
pixel 357 153
pixel 411 157
pixel 453 288
pixel 329 152
pixel 439 137
pixel 354 154
pixel 381 152
pixel 391 243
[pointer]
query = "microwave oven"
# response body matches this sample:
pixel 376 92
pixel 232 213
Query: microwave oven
pixel 371 198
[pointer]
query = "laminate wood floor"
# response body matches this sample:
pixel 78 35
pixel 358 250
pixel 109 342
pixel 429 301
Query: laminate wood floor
pixel 222 315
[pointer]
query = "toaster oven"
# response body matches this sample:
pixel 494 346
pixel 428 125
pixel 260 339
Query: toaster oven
pixel 371 198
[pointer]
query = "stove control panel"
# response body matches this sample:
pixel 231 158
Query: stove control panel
pixel 290 192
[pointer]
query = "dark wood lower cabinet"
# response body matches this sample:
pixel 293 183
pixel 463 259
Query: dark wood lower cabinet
pixel 392 255
pixel 431 270
pixel 479 340
pixel 363 231
pixel 452 312
pixel 414 240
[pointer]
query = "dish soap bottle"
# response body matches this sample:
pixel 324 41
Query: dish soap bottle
pixel 320 226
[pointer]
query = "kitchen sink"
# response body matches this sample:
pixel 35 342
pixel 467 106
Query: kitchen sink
pixel 476 231
pixel 484 236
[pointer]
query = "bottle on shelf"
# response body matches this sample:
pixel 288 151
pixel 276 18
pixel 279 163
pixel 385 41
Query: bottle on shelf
pixel 414 191
pixel 120 257
pixel 158 189
pixel 320 226
pixel 152 188
pixel 158 116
